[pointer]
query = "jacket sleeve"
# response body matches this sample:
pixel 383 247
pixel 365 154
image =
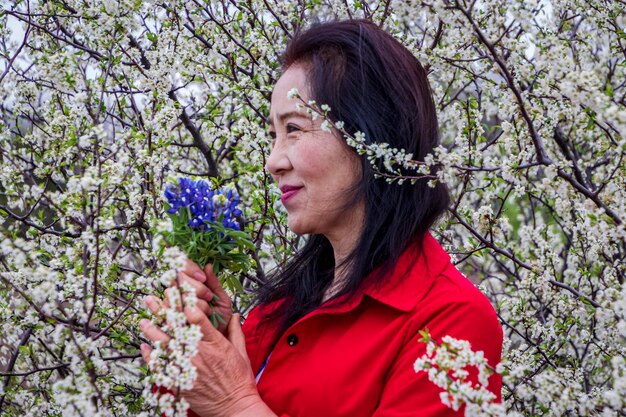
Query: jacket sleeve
pixel 407 393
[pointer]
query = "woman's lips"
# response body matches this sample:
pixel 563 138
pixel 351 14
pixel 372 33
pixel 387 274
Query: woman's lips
pixel 288 192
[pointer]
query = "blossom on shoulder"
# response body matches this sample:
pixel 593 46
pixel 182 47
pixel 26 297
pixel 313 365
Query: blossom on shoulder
pixel 447 364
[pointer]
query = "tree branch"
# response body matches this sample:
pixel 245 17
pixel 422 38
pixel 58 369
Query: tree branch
pixel 197 139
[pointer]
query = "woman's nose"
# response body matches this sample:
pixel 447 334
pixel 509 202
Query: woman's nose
pixel 278 160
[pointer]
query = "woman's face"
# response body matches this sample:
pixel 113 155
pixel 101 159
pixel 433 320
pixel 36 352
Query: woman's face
pixel 314 168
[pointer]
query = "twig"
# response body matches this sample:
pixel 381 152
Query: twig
pixel 7 375
pixel 197 139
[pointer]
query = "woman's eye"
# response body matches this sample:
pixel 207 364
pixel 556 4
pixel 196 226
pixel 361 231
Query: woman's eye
pixel 292 128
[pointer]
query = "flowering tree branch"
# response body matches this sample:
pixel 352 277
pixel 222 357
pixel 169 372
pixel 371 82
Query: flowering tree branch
pixel 197 140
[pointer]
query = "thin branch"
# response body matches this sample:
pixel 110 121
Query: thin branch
pixel 14 57
pixel 575 292
pixel 197 139
pixel 7 374
pixel 34 371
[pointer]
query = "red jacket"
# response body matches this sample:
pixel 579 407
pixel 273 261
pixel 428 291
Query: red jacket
pixel 356 359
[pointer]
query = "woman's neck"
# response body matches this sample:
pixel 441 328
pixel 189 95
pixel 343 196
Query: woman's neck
pixel 340 276
pixel 344 240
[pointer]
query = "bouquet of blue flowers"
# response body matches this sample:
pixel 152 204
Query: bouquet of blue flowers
pixel 205 225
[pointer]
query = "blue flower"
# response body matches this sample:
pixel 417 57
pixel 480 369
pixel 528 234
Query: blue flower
pixel 204 204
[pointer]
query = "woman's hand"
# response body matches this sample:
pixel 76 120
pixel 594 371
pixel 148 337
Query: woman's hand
pixel 225 384
pixel 212 299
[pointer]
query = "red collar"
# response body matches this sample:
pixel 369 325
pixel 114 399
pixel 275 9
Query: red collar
pixel 412 277
pixel 405 285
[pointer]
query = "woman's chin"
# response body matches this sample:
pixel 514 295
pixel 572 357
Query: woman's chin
pixel 297 226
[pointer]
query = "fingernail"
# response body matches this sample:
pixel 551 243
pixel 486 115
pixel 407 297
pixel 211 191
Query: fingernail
pixel 199 276
pixel 145 351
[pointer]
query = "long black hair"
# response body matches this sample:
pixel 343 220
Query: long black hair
pixel 376 86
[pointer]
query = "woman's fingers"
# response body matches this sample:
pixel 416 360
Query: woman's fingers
pixel 204 307
pixel 195 315
pixel 212 300
pixel 172 296
pixel 203 292
pixel 205 282
pixel 152 332
pixel 209 332
pixel 235 335
pixel 214 284
pixel 193 270
pixel 145 352
pixel 154 304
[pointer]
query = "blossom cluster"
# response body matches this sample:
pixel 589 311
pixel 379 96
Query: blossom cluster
pixel 448 364
pixel 171 367
pixel 205 204
pixel 205 225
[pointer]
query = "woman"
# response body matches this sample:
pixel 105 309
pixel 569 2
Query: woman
pixel 336 333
